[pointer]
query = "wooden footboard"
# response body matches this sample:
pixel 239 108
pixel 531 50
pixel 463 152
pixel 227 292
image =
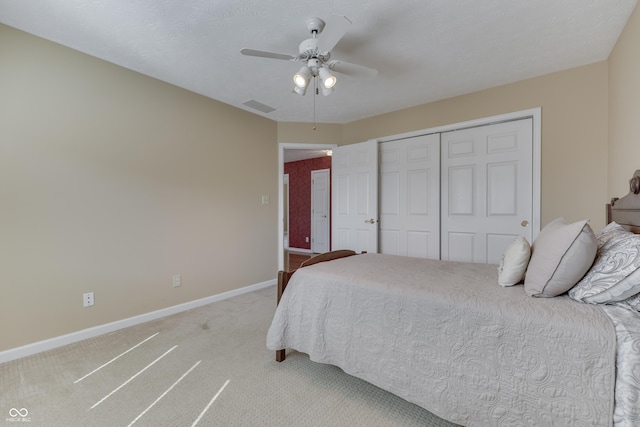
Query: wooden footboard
pixel 284 276
pixel 283 279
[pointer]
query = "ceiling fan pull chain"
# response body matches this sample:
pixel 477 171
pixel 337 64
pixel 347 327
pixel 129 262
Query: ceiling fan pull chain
pixel 315 93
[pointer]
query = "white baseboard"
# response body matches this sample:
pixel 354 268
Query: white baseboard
pixel 40 346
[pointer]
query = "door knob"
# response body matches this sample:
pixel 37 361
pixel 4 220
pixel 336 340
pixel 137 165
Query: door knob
pixel 524 223
pixel 370 221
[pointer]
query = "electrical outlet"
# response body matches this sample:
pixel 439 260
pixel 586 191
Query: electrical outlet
pixel 177 280
pixel 87 299
pixel 306 239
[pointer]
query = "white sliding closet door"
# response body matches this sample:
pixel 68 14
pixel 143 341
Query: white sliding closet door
pixel 487 190
pixel 410 197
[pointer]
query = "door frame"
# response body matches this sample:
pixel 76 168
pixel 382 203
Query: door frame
pixel 533 113
pixel 282 146
pixel 285 212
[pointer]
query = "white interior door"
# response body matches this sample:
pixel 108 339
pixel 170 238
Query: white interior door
pixel 410 197
pixel 354 197
pixel 320 202
pixel 487 190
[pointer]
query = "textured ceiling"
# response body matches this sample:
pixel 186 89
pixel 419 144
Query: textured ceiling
pixel 424 50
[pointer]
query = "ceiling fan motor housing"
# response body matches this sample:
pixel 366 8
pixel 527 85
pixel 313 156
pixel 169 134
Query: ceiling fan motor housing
pixel 309 49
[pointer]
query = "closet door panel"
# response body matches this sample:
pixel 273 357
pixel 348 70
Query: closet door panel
pixel 410 197
pixel 487 190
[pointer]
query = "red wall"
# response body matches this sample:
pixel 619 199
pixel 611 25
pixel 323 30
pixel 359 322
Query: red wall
pixel 300 198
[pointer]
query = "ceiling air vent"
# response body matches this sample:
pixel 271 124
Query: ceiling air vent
pixel 252 103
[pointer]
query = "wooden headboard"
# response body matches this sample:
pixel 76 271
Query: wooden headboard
pixel 626 210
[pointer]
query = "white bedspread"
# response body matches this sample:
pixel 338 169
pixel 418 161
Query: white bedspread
pixel 445 336
pixel 627 323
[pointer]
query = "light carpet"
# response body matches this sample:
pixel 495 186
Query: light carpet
pixel 207 367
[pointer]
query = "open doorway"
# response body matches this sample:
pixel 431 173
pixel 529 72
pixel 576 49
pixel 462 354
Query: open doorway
pixel 295 240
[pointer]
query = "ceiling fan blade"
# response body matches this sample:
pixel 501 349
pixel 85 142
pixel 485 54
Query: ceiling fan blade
pixel 333 31
pixel 264 54
pixel 354 70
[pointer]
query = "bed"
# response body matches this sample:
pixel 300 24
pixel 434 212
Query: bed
pixel 558 347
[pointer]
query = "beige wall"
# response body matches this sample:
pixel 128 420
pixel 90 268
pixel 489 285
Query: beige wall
pixel 624 107
pixel 304 133
pixel 113 182
pixel 574 133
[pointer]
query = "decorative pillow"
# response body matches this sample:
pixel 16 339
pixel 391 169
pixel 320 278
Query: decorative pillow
pixel 615 275
pixel 632 303
pixel 514 262
pixel 611 234
pixel 561 254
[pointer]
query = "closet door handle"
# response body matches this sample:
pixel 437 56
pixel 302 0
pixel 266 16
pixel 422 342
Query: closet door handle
pixel 524 223
pixel 370 221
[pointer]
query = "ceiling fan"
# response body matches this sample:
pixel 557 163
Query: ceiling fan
pixel 315 52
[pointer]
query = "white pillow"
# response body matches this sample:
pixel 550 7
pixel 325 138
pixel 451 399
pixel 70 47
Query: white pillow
pixel 615 275
pixel 560 256
pixel 514 262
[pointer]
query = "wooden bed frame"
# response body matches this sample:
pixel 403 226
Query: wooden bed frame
pixel 284 276
pixel 625 211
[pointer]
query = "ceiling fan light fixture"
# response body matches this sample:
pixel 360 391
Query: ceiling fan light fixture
pixel 328 79
pixel 315 54
pixel 302 77
pixel 326 91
